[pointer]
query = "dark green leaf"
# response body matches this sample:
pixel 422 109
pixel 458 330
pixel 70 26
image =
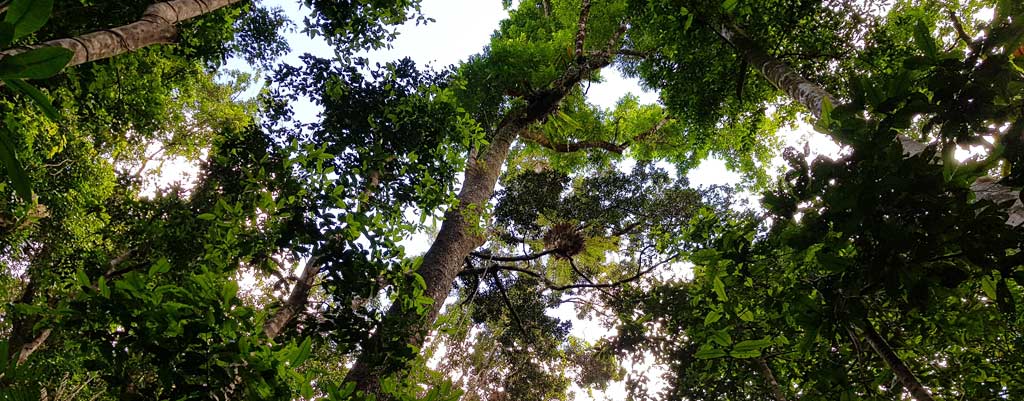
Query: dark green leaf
pixel 923 37
pixel 707 352
pixel 38 63
pixel 38 97
pixel 27 16
pixel 303 353
pixel 17 174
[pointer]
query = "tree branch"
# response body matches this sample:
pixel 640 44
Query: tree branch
pixel 959 28
pixel 296 299
pixel 581 29
pixel 543 141
pixel 769 377
pixel 900 369
pixel 508 303
pixel 521 258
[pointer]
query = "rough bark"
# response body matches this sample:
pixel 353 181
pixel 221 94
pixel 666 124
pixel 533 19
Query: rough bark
pixel 460 232
pixel 157 26
pixel 903 373
pixel 296 301
pixel 809 94
pixel 769 377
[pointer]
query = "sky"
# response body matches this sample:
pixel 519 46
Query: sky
pixel 462 28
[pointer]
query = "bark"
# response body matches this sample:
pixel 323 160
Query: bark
pixel 157 26
pixel 769 377
pixel 903 373
pixel 809 94
pixel 460 232
pixel 296 301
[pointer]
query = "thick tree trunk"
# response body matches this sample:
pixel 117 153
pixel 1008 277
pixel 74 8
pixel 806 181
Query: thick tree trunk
pixel 903 373
pixel 157 26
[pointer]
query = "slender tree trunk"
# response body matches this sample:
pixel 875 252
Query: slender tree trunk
pixel 769 377
pixel 809 94
pixel 462 232
pixel 296 301
pixel 903 373
pixel 157 26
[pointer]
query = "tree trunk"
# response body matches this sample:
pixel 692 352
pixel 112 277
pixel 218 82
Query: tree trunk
pixel 296 301
pixel 809 94
pixel 157 26
pixel 903 373
pixel 461 232
pixel 769 377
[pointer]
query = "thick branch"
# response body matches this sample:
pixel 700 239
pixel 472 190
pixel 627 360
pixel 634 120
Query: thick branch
pixel 552 286
pixel 778 73
pixel 959 28
pixel 157 26
pixel 542 140
pixel 581 29
pixel 33 345
pixel 903 373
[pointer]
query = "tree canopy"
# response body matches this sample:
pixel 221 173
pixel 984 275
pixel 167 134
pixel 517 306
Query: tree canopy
pixel 892 271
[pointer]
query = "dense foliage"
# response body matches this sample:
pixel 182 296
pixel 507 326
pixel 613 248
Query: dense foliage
pixel 892 271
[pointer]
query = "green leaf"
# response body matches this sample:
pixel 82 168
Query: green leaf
pixel 38 63
pixel 420 283
pixel 304 350
pixel 747 316
pixel 988 285
pixel 229 291
pixel 721 337
pixel 748 345
pixel 923 37
pixel 28 16
pixel 745 354
pixel 712 317
pixel 707 352
pixel 720 289
pixel 729 5
pixel 81 278
pixel 206 216
pixel 17 174
pixel 825 121
pixel 40 99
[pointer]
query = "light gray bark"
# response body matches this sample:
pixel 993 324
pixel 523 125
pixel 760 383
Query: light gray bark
pixel 296 301
pixel 157 26
pixel 461 232
pixel 903 373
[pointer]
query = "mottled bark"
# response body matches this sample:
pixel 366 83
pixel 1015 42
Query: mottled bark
pixel 461 232
pixel 809 94
pixel 296 301
pixel 157 26
pixel 769 377
pixel 903 373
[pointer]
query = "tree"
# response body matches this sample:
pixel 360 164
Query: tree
pixel 870 247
